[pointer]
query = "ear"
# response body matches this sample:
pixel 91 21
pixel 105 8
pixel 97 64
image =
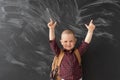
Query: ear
pixel 61 41
pixel 75 39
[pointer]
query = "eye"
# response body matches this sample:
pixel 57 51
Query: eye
pixel 71 41
pixel 65 41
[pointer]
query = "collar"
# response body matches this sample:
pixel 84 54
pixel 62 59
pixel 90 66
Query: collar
pixel 68 51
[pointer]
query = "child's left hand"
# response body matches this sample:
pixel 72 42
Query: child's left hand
pixel 91 26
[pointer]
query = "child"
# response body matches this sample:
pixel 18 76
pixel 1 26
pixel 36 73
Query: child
pixel 69 67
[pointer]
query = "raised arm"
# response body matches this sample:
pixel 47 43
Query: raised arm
pixel 51 26
pixel 90 28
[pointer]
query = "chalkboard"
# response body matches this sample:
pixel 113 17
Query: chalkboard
pixel 25 53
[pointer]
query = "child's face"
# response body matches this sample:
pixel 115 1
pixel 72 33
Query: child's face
pixel 68 41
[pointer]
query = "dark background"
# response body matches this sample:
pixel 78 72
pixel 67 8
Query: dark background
pixel 25 53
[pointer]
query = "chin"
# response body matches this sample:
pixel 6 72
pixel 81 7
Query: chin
pixel 69 49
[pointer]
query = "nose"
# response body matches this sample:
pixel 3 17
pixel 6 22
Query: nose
pixel 68 43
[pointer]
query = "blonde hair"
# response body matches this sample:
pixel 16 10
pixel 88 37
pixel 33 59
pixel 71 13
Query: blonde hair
pixel 68 31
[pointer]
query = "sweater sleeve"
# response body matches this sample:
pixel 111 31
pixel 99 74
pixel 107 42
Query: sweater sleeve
pixel 83 47
pixel 54 46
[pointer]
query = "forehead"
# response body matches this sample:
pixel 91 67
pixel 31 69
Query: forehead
pixel 67 37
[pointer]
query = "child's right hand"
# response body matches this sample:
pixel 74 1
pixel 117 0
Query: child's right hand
pixel 91 26
pixel 51 24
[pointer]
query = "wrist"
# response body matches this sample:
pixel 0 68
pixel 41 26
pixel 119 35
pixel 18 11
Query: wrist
pixel 51 29
pixel 90 31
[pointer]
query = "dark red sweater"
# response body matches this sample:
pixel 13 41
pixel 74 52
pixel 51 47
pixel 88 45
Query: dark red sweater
pixel 69 68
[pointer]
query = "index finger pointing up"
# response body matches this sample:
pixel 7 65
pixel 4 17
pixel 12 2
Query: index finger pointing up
pixel 91 21
pixel 51 20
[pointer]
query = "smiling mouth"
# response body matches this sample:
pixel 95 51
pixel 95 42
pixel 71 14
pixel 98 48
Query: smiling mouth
pixel 69 47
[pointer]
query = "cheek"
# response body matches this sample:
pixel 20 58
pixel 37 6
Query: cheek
pixel 73 43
